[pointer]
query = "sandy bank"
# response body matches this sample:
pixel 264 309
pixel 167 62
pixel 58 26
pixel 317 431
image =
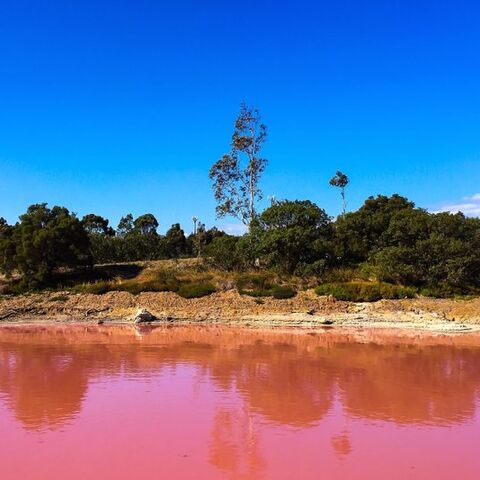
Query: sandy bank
pixel 305 310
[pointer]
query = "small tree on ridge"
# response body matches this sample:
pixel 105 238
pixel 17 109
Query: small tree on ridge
pixel 341 181
pixel 237 174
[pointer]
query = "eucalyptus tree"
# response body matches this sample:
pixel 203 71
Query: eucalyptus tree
pixel 340 180
pixel 97 225
pixel 236 176
pixel 146 224
pixel 125 225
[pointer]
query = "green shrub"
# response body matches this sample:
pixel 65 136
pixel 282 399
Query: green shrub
pixel 339 274
pixel 223 253
pixel 196 290
pixel 59 298
pixel 364 292
pixel 255 284
pixel 133 288
pixel 281 292
pixel 15 288
pixel 264 288
pixel 446 291
pixel 169 285
pixel 97 288
pixel 256 293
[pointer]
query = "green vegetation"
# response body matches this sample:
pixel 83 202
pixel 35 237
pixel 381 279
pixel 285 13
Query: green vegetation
pixel 340 180
pixel 59 298
pixel 281 292
pixel 236 182
pixel 387 240
pixel 364 292
pixel 388 248
pixel 263 284
pixel 196 290
pixel 44 241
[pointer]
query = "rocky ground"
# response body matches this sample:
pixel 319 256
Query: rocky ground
pixel 306 309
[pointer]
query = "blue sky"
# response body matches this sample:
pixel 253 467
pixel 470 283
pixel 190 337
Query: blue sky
pixel 120 106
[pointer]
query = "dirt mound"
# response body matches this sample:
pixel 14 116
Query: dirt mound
pixel 306 307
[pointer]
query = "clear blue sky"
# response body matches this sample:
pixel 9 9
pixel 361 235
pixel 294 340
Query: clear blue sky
pixel 122 106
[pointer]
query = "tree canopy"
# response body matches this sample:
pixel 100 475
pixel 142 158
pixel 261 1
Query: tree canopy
pixel 293 234
pixel 43 241
pixel 237 174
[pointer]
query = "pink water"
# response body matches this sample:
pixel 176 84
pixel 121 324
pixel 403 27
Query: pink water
pixel 198 403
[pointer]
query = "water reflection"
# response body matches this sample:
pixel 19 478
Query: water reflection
pixel 287 378
pixel 259 390
pixel 341 444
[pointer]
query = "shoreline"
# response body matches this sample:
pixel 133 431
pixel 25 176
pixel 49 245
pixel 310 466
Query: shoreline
pixel 306 310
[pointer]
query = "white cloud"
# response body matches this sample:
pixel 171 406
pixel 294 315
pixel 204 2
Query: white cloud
pixel 470 206
pixel 233 228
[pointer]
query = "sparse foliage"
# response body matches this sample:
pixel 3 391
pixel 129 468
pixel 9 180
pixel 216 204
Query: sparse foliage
pixel 97 225
pixel 340 180
pixel 237 174
pixel 145 224
pixel 125 225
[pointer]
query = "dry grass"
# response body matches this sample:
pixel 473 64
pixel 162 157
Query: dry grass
pixel 171 275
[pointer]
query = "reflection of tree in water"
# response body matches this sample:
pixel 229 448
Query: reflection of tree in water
pixel 411 384
pixel 234 443
pixel 288 379
pixel 277 381
pixel 341 444
pixel 44 387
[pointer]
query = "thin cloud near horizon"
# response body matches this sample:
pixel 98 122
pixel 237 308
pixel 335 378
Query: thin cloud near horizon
pixel 233 228
pixel 470 206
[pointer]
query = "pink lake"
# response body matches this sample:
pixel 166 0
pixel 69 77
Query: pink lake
pixel 85 402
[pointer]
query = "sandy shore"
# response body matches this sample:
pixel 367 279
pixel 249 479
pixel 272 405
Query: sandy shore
pixel 305 310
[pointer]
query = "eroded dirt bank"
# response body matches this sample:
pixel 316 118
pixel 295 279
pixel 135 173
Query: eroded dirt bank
pixel 306 309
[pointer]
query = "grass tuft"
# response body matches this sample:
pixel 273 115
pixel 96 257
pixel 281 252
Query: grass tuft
pixel 282 292
pixel 364 291
pixel 196 290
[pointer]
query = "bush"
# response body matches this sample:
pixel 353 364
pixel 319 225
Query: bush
pixel 222 253
pixel 256 292
pixel 132 286
pixel 16 288
pixel 262 284
pixel 44 241
pixel 281 292
pixel 365 292
pixel 196 290
pixel 446 291
pixel 256 284
pixel 292 235
pixel 97 288
pixel 255 281
pixel 59 298
pixel 135 287
pixel 341 275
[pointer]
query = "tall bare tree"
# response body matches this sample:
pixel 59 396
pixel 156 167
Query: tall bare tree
pixel 341 181
pixel 237 174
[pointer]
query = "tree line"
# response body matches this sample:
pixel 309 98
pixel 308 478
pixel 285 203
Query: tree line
pixel 388 238
pixel 48 239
